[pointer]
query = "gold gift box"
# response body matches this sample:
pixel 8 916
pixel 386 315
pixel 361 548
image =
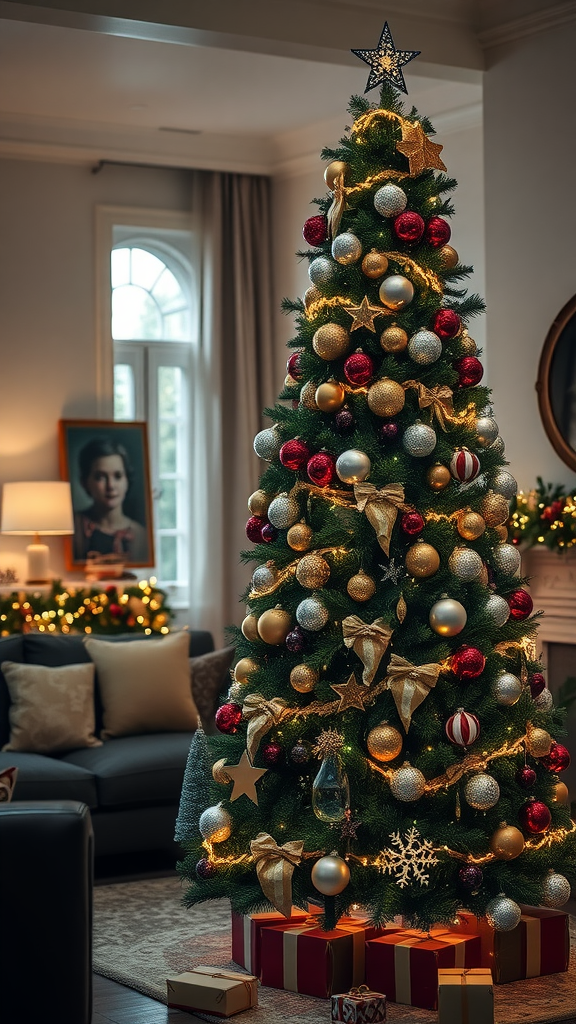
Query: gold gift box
pixel 465 996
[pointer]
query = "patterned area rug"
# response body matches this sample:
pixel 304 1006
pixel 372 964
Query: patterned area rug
pixel 142 934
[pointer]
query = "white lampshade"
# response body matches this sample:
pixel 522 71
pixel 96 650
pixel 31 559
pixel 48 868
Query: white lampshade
pixel 38 507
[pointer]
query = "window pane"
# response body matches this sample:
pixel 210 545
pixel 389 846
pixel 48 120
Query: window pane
pixel 146 268
pixel 120 267
pixel 135 315
pixel 177 326
pixel 167 291
pixel 169 390
pixel 167 448
pixel 124 397
pixel 167 511
pixel 168 560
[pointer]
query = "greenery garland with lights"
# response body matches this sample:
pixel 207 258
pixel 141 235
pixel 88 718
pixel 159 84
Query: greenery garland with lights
pixel 544 516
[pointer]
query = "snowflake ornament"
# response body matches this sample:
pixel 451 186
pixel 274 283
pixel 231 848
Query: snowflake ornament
pixel 411 860
pixel 393 572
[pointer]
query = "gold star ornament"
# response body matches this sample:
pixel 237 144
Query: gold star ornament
pixel 351 694
pixel 422 154
pixel 386 62
pixel 364 315
pixel 244 777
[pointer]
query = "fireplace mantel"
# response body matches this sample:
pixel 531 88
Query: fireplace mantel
pixel 553 590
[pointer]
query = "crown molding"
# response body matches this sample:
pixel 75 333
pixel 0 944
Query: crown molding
pixel 528 25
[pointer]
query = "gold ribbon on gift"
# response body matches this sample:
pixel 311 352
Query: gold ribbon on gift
pixel 261 715
pixel 338 205
pixel 381 508
pixel 368 640
pixel 438 399
pixel 275 867
pixel 410 685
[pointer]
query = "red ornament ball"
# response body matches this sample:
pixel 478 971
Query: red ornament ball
pixel 205 869
pixel 470 877
pixel 344 422
pixel 535 816
pixel 228 718
pixel 412 524
pixel 293 366
pixel 526 777
pixel 296 641
pixel 389 432
pixel 254 528
pixel 271 754
pixel 116 611
pixel 462 729
pixel 470 371
pixel 315 230
pixel 558 759
pixel 446 324
pixel 537 684
pixel 438 232
pixel 321 468
pixel 294 454
pixel 468 663
pixel 269 533
pixel 358 369
pixel 521 604
pixel 409 227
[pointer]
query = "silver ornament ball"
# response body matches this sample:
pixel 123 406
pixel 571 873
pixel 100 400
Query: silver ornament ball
pixel 498 609
pixel 556 890
pixel 424 347
pixel 447 617
pixel 346 248
pixel 544 701
pixel 396 292
pixel 353 466
pixel 311 614
pixel 507 689
pixel 504 483
pixel 267 444
pixel 215 824
pixel 465 564
pixel 263 577
pixel 419 440
pixel 322 271
pixel 498 446
pixel 330 875
pixel 236 693
pixel 482 792
pixel 503 914
pixel 507 558
pixel 487 430
pixel 283 512
pixel 407 784
pixel 390 200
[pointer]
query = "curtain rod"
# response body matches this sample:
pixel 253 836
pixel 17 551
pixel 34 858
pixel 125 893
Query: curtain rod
pixel 135 163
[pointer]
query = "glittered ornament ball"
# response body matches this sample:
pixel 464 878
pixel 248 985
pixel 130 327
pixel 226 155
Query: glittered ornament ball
pixel 396 292
pixel 470 877
pixel 346 248
pixel 470 371
pixel 555 890
pixel 315 230
pixel 467 663
pixel 228 718
pixel 495 510
pixel 269 533
pixel 361 587
pixel 539 742
pixel 470 525
pixel 408 227
pixel 422 560
pixel 311 614
pixel 274 626
pixel 300 754
pixel 504 483
pixel 353 466
pixel 447 617
pixel 271 754
pixel 537 683
pixel 424 347
pixel 388 432
pixel 330 875
pixel 254 528
pixel 344 422
pixel 331 341
pixel 358 369
pixel 482 792
pixel 267 444
pixel 320 469
pixel 465 564
pixel 386 397
pixel 412 524
pixel 312 572
pixel 535 816
pixel 506 558
pixel 205 869
pixel 374 264
pixel 296 640
pixel 520 604
pixel 308 396
pixel 438 232
pixel 390 200
pixel 329 397
pixel 526 777
pixel 312 294
pixel 449 257
pixel 446 324
pixel 322 271
pixel 283 511
pixel 299 537
pixel 558 760
pixel 394 339
pixel 407 783
pixel 544 701
pixel 503 914
pixel 384 742
pixel 507 689
pixel 507 842
pixel 438 477
pixel 215 824
pixel 294 454
pixel 303 678
pixel 419 440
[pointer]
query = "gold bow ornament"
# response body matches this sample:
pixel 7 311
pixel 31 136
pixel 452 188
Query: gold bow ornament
pixel 410 685
pixel 381 507
pixel 275 867
pixel 368 640
pixel 261 715
pixel 438 399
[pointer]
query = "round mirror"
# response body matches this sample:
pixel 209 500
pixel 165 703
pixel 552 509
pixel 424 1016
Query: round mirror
pixel 556 384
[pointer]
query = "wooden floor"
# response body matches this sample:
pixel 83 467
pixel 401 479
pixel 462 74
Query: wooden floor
pixel 115 1004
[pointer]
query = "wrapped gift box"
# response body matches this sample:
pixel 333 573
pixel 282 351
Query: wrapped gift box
pixel 246 930
pixel 539 945
pixel 465 996
pixel 405 964
pixel 210 990
pixel 359 1006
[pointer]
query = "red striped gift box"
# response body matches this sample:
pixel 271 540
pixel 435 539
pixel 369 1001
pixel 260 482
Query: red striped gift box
pixel 405 964
pixel 539 945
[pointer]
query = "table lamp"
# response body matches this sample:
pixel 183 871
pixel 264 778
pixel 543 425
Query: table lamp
pixel 41 507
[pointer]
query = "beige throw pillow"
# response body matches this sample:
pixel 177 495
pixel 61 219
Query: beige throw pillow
pixel 144 685
pixel 52 709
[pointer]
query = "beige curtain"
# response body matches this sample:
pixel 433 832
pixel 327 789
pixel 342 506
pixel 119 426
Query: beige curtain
pixel 233 382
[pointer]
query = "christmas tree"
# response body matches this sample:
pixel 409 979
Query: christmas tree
pixel 388 740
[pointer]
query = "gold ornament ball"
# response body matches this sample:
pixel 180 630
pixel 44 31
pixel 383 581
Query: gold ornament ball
pixel 468 346
pixel 290 381
pixel 561 794
pixel 312 572
pixel 507 842
pixel 330 875
pixel 538 742
pixel 258 503
pixel 312 294
pixel 501 532
pixel 361 587
pixel 494 508
pixel 299 537
pixel 422 560
pixel 303 678
pixel 336 169
pixel 386 397
pixel 449 257
pixel 219 773
pixel 394 339
pixel 244 669
pixel 274 626
pixel 471 525
pixel 374 264
pixel 330 396
pixel 331 341
pixel 308 396
pixel 384 742
pixel 249 628
pixel 438 477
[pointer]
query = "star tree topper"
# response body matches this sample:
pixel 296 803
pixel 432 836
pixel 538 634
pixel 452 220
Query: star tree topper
pixel 386 62
pixel 244 777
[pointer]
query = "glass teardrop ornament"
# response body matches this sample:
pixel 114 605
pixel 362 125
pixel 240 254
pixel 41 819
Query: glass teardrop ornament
pixel 331 790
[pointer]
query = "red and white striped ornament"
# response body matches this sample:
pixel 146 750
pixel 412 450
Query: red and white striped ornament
pixel 462 728
pixel 464 465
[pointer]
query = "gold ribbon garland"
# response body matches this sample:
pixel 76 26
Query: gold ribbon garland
pixel 261 715
pixel 438 399
pixel 275 867
pixel 410 685
pixel 381 508
pixel 369 641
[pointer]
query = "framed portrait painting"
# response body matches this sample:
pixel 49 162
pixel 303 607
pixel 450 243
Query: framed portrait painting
pixel 106 462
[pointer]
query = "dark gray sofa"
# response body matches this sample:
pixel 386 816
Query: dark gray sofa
pixel 131 784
